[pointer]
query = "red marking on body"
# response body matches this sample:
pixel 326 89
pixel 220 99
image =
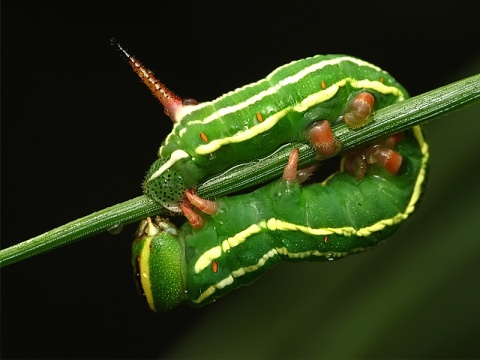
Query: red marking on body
pixel 214 266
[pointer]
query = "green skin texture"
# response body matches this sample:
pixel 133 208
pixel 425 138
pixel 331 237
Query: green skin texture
pixel 168 187
pixel 355 215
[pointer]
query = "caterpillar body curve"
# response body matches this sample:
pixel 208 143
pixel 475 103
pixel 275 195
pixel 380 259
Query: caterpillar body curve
pixel 255 120
pixel 281 221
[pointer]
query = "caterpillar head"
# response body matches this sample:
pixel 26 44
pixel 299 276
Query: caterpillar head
pixel 164 185
pixel 158 259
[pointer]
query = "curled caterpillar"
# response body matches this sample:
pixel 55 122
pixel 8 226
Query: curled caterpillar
pixel 240 237
pixel 253 121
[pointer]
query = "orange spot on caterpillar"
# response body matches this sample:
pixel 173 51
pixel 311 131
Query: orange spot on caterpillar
pixel 214 266
pixel 203 136
pixel 382 79
pixel 259 117
pixel 324 86
pixel 325 239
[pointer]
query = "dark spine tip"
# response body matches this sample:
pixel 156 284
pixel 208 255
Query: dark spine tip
pixel 120 49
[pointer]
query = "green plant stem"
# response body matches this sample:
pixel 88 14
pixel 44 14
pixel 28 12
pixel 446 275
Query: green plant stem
pixel 95 223
pixel 414 111
pixel 398 117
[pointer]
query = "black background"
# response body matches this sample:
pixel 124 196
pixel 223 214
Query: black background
pixel 79 131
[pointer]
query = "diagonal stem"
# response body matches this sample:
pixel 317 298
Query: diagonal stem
pixel 394 118
pixel 398 117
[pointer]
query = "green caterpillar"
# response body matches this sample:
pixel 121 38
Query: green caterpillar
pixel 247 234
pixel 255 120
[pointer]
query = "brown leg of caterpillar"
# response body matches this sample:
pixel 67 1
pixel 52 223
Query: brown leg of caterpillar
pixel 359 110
pixel 321 137
pixel 356 161
pixel 355 164
pixel 388 158
pixel 291 173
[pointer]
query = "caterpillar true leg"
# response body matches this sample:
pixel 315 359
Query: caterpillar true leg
pixel 193 218
pixel 205 206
